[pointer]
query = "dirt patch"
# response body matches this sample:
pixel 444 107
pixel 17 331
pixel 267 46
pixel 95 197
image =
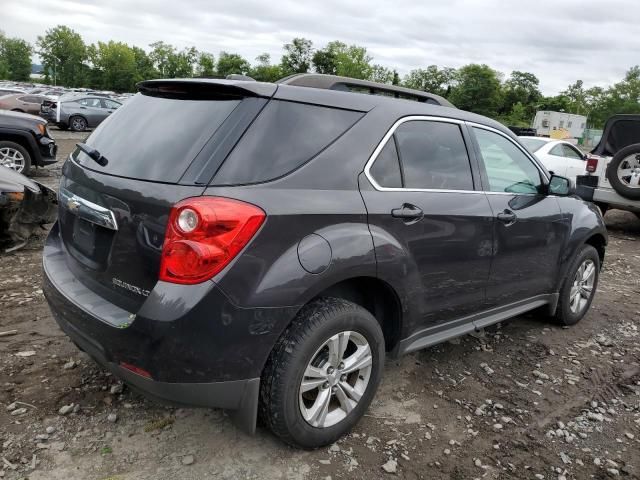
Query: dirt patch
pixel 527 399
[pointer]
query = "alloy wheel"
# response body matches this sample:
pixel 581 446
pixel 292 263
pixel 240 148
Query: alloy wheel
pixel 582 288
pixel 335 379
pixel 12 158
pixel 629 171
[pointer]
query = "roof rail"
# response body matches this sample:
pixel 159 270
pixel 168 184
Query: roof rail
pixel 345 84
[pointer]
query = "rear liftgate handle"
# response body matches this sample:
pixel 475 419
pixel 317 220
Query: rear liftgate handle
pixel 408 213
pixel 507 217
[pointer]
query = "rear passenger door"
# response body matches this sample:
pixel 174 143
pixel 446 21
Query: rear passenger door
pixel 529 228
pixel 432 228
pixel 92 110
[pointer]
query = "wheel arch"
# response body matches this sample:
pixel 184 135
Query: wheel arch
pixel 599 242
pixel 24 140
pixel 377 297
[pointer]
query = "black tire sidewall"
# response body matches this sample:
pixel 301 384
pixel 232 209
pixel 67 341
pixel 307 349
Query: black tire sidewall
pixel 72 127
pixel 564 313
pixel 612 172
pixel 22 150
pixel 354 319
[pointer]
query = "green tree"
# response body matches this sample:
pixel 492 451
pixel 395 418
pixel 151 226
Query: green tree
pixel 622 97
pixel 477 89
pixel 62 52
pixel 229 63
pixel 264 71
pixel 382 74
pixel 431 79
pixel 144 65
pixel 160 56
pixel 206 65
pixel 522 88
pixel 297 56
pixel 116 62
pixel 15 59
pixel 338 58
pixel 576 96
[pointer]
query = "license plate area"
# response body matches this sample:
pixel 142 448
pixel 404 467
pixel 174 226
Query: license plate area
pixel 87 242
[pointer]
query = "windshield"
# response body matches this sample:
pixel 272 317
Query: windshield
pixel 154 138
pixel 532 144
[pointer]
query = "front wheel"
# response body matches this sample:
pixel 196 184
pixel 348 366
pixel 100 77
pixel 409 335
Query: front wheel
pixel 15 157
pixel 579 286
pixel 322 374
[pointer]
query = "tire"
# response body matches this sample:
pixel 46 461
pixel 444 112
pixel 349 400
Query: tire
pixel 303 348
pixel 78 123
pixel 629 159
pixel 11 153
pixel 568 312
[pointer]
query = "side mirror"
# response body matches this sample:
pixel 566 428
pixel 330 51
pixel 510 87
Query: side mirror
pixel 559 185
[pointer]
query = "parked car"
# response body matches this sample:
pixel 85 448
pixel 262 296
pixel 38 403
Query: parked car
pixel 261 247
pixel 25 206
pixel 78 111
pixel 10 91
pixel 21 102
pixel 25 142
pixel 558 156
pixel 612 178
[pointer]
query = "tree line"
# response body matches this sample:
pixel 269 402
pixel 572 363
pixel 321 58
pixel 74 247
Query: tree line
pixel 116 66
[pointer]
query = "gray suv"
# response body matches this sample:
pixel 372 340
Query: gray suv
pixel 79 112
pixel 264 247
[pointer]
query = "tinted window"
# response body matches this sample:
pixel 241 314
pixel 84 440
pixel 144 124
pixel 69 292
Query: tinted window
pixel 285 136
pixel 571 152
pixel 155 138
pixel 90 102
pixel 508 168
pixel 386 169
pixel 433 155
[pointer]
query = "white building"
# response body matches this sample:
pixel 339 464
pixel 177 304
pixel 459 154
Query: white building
pixel 547 122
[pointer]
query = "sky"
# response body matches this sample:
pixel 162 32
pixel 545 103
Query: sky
pixel 560 41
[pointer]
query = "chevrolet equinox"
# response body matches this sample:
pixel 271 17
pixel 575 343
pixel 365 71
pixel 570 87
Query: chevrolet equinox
pixel 263 248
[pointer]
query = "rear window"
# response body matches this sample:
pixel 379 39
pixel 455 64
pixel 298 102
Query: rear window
pixel 285 136
pixel 532 144
pixel 156 139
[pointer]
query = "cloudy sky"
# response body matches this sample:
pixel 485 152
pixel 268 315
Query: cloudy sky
pixel 558 40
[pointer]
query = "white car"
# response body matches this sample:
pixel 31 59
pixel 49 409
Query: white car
pixel 558 156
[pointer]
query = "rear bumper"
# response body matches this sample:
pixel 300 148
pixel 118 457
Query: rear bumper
pixel 199 349
pixel 241 396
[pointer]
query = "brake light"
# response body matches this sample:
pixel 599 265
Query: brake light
pixel 592 164
pixel 203 235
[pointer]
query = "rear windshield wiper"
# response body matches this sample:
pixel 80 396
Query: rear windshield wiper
pixel 93 154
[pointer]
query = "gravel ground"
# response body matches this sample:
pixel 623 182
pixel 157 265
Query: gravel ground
pixel 525 399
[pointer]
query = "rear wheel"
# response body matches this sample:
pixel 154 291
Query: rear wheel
pixel 15 156
pixel 322 374
pixel 623 172
pixel 579 286
pixel 78 124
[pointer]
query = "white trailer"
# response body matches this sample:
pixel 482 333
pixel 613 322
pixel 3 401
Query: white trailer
pixel 547 122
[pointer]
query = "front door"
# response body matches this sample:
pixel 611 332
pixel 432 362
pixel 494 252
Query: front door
pixel 432 229
pixel 529 230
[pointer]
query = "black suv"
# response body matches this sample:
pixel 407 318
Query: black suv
pixel 263 247
pixel 25 141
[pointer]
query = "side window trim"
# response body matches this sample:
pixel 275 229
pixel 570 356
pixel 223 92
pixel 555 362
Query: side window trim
pixel 483 172
pixel 391 135
pixel 400 166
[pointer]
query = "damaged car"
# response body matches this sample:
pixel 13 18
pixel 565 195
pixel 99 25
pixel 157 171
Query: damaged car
pixel 25 208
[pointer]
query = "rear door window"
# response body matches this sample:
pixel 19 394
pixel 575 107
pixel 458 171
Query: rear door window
pixel 156 139
pixel 285 136
pixel 386 169
pixel 433 155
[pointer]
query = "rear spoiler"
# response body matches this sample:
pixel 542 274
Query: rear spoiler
pixel 205 89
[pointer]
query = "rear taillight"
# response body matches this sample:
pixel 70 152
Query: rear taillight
pixel 203 235
pixel 592 164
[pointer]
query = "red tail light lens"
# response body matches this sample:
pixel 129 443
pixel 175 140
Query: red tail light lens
pixel 203 235
pixel 592 164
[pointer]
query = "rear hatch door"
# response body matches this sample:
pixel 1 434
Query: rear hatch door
pixel 162 146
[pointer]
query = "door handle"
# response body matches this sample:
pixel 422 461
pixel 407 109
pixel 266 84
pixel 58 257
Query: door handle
pixel 409 213
pixel 507 217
